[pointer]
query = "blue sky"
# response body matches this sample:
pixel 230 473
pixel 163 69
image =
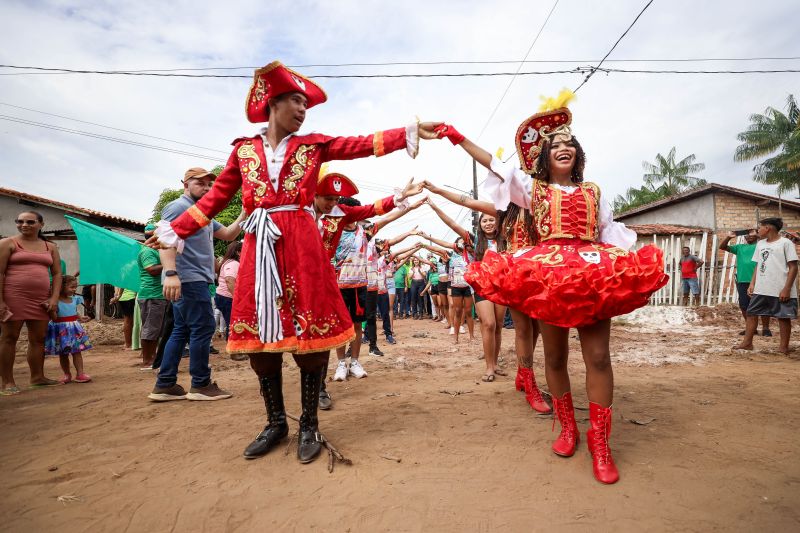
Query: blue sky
pixel 621 119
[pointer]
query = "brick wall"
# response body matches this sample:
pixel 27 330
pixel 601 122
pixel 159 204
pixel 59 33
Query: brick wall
pixel 734 212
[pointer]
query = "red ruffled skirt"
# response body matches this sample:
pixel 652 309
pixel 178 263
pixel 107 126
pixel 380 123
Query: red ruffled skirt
pixel 568 282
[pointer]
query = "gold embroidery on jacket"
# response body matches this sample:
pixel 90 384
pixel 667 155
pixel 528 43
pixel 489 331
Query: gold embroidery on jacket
pixel 250 165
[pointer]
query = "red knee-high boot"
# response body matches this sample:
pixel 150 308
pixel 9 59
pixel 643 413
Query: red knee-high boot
pixel 519 381
pixel 568 439
pixel 605 471
pixel 533 394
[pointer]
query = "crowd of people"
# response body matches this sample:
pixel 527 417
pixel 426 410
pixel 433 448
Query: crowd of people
pixel 315 271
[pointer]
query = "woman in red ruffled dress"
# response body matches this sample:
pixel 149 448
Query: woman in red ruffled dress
pixel 579 273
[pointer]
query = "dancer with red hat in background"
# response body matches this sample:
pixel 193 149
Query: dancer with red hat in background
pixel 333 216
pixel 286 298
pixel 513 233
pixel 579 272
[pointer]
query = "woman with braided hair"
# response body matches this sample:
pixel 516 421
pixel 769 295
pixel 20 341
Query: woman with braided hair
pixel 513 232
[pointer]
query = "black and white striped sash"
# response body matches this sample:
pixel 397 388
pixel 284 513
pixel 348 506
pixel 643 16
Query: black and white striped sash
pixel 268 284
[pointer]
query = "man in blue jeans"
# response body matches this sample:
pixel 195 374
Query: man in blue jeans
pixel 187 280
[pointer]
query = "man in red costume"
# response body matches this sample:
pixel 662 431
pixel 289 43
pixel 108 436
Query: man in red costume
pixel 286 298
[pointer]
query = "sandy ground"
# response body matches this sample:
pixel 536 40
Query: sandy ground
pixel 433 448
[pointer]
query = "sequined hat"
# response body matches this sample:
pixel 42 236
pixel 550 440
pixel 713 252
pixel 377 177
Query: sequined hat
pixel 553 119
pixel 274 80
pixel 335 184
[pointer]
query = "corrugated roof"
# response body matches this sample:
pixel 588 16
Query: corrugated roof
pixel 68 207
pixel 707 189
pixel 666 229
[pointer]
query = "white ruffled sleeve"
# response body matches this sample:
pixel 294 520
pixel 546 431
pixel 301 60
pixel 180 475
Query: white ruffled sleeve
pixel 167 236
pixel 399 202
pixel 506 184
pixel 412 140
pixel 614 232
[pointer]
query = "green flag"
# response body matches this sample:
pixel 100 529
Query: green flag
pixel 106 257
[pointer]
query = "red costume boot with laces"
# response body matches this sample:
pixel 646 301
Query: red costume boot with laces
pixel 605 471
pixel 533 394
pixel 519 381
pixel 568 439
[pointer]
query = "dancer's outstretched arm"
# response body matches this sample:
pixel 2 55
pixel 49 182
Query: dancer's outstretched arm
pixel 397 213
pixel 461 232
pixel 462 199
pixel 444 254
pixel 402 237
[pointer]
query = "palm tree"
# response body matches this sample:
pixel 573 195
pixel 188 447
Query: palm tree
pixel 636 197
pixel 672 176
pixel 774 132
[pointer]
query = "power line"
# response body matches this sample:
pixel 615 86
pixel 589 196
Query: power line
pixel 107 138
pixel 487 62
pixel 505 92
pixel 363 185
pixel 112 128
pixel 589 70
pixel 588 76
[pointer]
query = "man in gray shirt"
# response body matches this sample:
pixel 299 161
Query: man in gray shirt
pixel 187 280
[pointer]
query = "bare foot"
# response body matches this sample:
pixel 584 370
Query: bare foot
pixel 743 347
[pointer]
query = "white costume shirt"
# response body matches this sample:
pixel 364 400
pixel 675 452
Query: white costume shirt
pixel 506 184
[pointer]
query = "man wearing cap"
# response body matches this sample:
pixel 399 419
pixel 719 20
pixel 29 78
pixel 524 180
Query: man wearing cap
pixel 186 281
pixel 286 298
pixel 152 305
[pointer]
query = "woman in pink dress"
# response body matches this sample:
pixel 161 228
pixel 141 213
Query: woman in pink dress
pixel 26 261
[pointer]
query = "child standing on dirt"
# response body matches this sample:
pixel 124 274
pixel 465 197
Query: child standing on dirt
pixel 65 334
pixel 772 288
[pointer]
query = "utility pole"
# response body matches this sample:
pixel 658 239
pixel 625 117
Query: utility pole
pixel 475 214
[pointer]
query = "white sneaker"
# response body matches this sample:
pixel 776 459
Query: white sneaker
pixel 341 371
pixel 452 330
pixel 443 321
pixel 356 370
pixel 462 329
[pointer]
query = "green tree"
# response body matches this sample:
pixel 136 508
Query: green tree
pixel 225 217
pixel 635 197
pixel 768 133
pixel 664 178
pixel 672 176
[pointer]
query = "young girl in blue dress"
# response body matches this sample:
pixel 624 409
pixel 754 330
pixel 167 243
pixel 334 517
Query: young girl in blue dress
pixel 65 334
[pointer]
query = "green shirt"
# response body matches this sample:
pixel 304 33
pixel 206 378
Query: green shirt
pixel 745 266
pixel 400 277
pixel 126 295
pixel 149 285
pixel 433 277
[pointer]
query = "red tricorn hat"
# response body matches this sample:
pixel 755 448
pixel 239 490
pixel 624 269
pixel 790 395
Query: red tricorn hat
pixel 335 184
pixel 533 130
pixel 274 80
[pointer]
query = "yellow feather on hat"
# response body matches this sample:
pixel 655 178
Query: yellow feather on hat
pixel 323 171
pixel 562 100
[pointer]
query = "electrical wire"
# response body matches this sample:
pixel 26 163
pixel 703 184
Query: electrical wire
pixel 588 76
pixel 112 128
pixel 108 138
pixel 505 92
pixel 488 62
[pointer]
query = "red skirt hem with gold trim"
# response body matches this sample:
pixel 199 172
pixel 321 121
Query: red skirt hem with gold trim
pixel 568 282
pixel 313 315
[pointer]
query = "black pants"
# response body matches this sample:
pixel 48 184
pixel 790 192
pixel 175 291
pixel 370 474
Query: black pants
pixel 400 301
pixel 369 315
pixel 166 331
pixel 417 305
pixel 383 308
